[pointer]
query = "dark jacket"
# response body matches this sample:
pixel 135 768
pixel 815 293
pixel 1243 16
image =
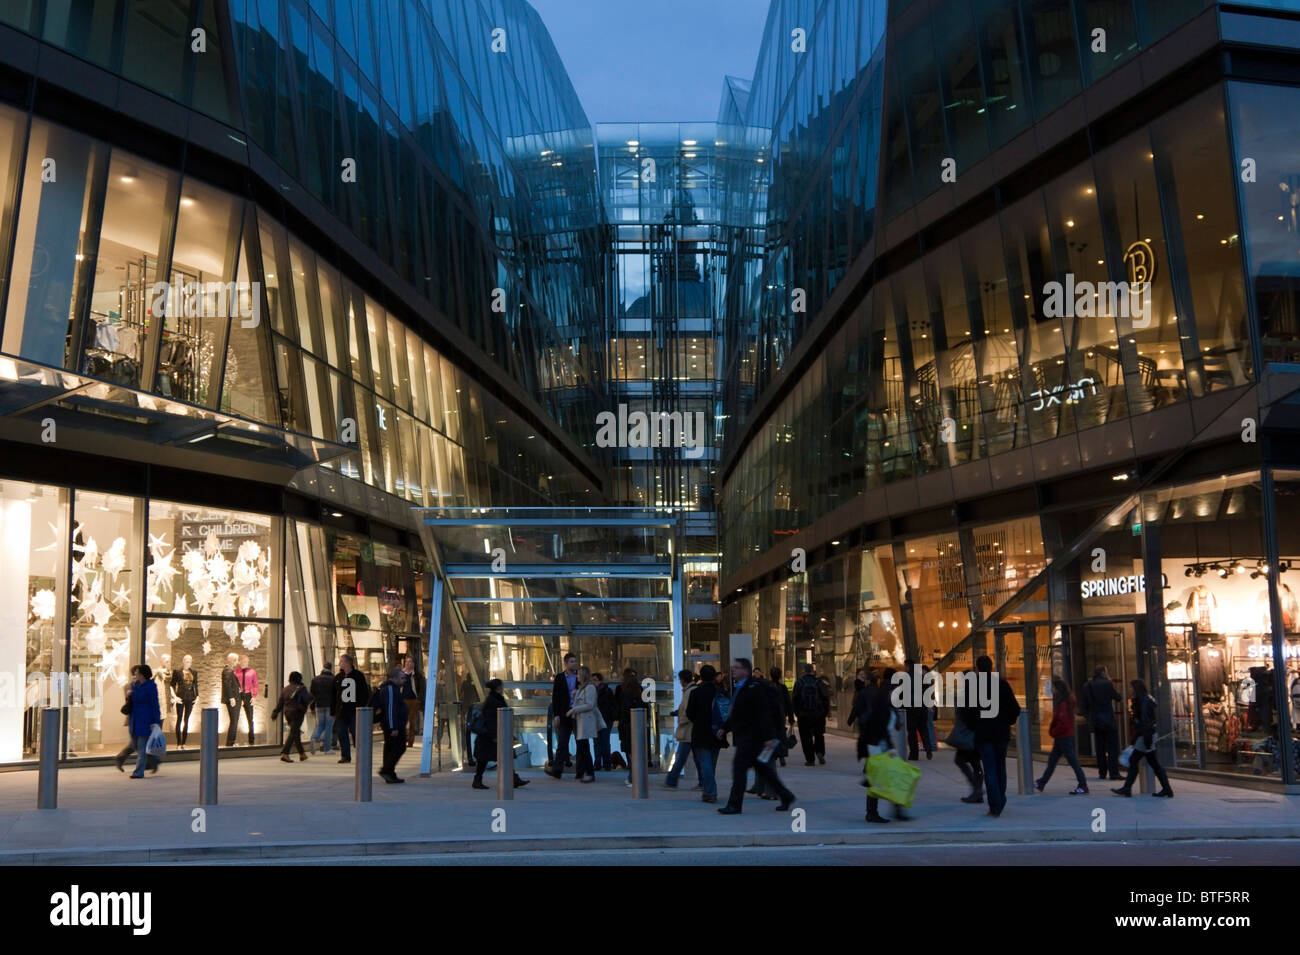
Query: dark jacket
pixel 493 703
pixel 560 694
pixel 360 694
pixel 699 710
pixel 787 702
pixel 807 685
pixel 144 708
pixel 997 729
pixel 861 702
pixel 390 708
pixel 607 704
pixel 872 708
pixel 293 703
pixel 322 691
pixel 413 688
pixel 627 702
pixel 753 718
pixel 188 692
pixel 1144 718
pixel 229 685
pixel 1098 696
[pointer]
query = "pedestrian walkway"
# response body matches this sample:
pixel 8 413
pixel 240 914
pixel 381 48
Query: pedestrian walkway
pixel 275 810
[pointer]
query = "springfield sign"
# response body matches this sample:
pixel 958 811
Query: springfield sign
pixel 1113 586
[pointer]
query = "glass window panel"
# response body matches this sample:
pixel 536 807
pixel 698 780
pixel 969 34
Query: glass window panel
pixel 53 254
pixel 318 398
pixel 915 54
pixel 249 385
pixel 397 362
pixel 106 595
pixel 1003 420
pixel 275 268
pixel 433 384
pixel 1053 58
pixel 450 401
pixel 87 28
pixel 415 368
pixel 1002 51
pixel 211 94
pixel 157 45
pixel 138 209
pixel 1115 17
pixel 1131 205
pixel 377 336
pixel 1266 128
pixel 1192 162
pixel 959 437
pixel 33 611
pixel 206 254
pixel 333 314
pixel 964 108
pixel 356 323
pixel 13 132
pixel 302 266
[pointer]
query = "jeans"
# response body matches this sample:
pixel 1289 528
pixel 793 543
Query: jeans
pixel 347 730
pixel 706 760
pixel 245 702
pixel 1063 746
pixel 141 756
pixel 993 757
pixel 812 737
pixel 1107 738
pixel 324 732
pixel 183 709
pixel 746 758
pixel 679 764
pixel 603 760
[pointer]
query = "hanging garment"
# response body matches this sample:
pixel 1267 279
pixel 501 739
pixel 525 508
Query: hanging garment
pixel 106 336
pixel 1212 668
pixel 1215 718
pixel 1202 609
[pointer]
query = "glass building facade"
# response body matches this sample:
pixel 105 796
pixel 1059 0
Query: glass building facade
pixel 271 275
pixel 971 468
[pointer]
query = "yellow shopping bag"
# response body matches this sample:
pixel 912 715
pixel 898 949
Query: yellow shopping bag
pixel 891 778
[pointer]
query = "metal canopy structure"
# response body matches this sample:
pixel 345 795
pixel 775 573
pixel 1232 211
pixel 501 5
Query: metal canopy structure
pixel 528 577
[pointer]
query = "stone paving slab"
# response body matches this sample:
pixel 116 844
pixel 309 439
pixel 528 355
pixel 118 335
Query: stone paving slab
pixel 271 809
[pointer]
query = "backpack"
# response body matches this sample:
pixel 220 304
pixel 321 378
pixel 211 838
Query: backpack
pixel 477 722
pixel 721 708
pixel 810 698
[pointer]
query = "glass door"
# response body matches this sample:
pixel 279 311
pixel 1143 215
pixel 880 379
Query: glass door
pixel 1111 646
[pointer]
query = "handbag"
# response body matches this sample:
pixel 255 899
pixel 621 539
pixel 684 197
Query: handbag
pixel 961 737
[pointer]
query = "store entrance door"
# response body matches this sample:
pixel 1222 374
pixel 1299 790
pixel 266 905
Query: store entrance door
pixel 1113 646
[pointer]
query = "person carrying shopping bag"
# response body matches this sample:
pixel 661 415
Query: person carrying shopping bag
pixel 145 716
pixel 1144 743
pixel 877 721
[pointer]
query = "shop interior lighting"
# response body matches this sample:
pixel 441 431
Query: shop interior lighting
pixel 1239 565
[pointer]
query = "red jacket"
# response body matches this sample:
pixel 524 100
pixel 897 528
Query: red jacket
pixel 1062 720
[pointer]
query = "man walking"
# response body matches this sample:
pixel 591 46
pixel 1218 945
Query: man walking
pixel 413 694
pixel 608 707
pixel 993 735
pixel 390 710
pixel 322 698
pixel 1099 697
pixel 566 681
pixel 350 691
pixel 683 732
pixel 755 736
pixel 811 706
pixel 918 722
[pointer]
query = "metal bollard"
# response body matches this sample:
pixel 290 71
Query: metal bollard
pixel 365 751
pixel 47 786
pixel 505 753
pixel 1024 755
pixel 208 757
pixel 640 780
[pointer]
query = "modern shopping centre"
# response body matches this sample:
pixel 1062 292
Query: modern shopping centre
pixel 311 310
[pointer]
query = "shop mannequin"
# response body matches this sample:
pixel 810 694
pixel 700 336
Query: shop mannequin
pixel 184 691
pixel 246 677
pixel 230 696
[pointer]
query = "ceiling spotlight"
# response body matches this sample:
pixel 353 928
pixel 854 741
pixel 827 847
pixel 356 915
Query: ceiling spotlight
pixel 1188 571
pixel 1223 571
pixel 1238 567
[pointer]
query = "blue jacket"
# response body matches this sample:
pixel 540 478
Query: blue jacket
pixel 390 707
pixel 144 708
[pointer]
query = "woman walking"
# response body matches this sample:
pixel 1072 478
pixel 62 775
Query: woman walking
pixel 1144 717
pixel 293 703
pixel 485 743
pixel 876 724
pixel 587 724
pixel 145 716
pixel 1062 733
pixel 962 739
pixel 629 699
